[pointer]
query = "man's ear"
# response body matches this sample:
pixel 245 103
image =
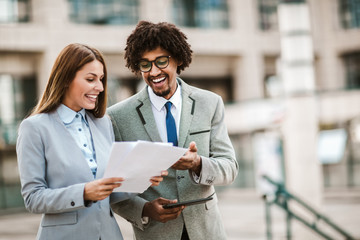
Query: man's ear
pixel 179 63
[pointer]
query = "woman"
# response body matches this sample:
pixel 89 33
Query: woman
pixel 63 148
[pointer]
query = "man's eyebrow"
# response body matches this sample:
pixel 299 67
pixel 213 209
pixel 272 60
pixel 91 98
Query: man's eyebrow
pixel 154 58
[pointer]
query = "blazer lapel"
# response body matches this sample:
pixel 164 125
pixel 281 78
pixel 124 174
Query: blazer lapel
pixel 101 146
pixel 146 115
pixel 187 113
pixel 76 157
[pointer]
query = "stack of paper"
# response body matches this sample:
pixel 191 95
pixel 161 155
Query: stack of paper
pixel 138 161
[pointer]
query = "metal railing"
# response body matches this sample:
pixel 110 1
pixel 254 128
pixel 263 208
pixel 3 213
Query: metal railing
pixel 282 198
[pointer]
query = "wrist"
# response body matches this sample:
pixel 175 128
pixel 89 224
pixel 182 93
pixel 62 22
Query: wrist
pixel 197 167
pixel 145 210
pixel 85 194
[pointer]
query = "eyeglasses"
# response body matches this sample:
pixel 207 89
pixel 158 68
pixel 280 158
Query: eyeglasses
pixel 160 62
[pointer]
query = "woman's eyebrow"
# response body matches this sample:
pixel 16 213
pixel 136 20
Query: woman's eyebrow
pixel 95 75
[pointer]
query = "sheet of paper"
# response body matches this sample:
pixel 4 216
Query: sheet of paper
pixel 138 161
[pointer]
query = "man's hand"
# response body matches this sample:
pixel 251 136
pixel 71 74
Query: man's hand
pixel 191 160
pixel 157 179
pixel 101 188
pixel 155 210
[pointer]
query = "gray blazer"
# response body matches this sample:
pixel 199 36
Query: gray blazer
pixel 53 173
pixel 202 121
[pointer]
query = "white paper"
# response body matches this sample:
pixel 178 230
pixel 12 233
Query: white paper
pixel 137 162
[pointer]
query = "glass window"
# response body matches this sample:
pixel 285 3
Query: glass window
pixel 352 68
pixel 245 157
pixel 349 13
pixel 268 17
pixel 118 12
pixel 222 86
pixel 14 11
pixel 273 86
pixel 17 98
pixel 10 188
pixel 120 88
pixel 201 13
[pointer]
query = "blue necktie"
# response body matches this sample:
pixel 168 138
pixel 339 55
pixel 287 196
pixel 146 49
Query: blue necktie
pixel 170 125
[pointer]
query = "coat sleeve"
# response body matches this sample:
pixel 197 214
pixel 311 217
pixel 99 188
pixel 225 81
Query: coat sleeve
pixel 220 167
pixel 131 210
pixel 38 197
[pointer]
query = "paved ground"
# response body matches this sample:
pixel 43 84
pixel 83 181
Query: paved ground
pixel 243 215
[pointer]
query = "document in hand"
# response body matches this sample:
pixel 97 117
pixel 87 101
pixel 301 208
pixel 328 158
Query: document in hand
pixel 138 161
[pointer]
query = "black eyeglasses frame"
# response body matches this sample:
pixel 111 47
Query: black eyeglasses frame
pixel 154 61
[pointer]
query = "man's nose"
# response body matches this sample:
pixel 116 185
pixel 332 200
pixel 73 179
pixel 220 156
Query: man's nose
pixel 154 70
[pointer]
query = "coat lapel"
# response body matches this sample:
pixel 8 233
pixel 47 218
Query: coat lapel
pixel 101 146
pixel 187 112
pixel 76 157
pixel 147 117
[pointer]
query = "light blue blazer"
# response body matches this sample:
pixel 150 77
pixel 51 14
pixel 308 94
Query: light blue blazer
pixel 53 172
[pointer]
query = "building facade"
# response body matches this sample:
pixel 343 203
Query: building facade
pixel 237 54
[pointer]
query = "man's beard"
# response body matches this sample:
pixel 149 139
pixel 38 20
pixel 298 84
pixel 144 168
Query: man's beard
pixel 163 93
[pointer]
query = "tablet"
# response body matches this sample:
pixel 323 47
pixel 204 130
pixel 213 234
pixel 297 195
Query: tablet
pixel 188 203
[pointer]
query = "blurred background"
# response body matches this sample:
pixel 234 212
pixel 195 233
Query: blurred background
pixel 287 70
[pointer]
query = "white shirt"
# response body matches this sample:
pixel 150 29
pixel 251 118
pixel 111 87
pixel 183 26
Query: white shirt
pixel 159 111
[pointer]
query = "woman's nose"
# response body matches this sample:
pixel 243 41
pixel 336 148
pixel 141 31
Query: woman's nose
pixel 99 86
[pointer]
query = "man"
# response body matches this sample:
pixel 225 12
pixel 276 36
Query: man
pixel 193 119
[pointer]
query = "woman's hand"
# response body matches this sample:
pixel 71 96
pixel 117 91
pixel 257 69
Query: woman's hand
pixel 101 189
pixel 157 179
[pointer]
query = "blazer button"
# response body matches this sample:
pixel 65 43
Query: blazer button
pixel 179 178
pixel 72 203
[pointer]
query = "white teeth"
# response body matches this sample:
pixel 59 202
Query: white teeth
pixel 158 80
pixel 92 96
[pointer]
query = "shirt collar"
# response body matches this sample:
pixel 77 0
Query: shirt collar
pixel 67 115
pixel 159 102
